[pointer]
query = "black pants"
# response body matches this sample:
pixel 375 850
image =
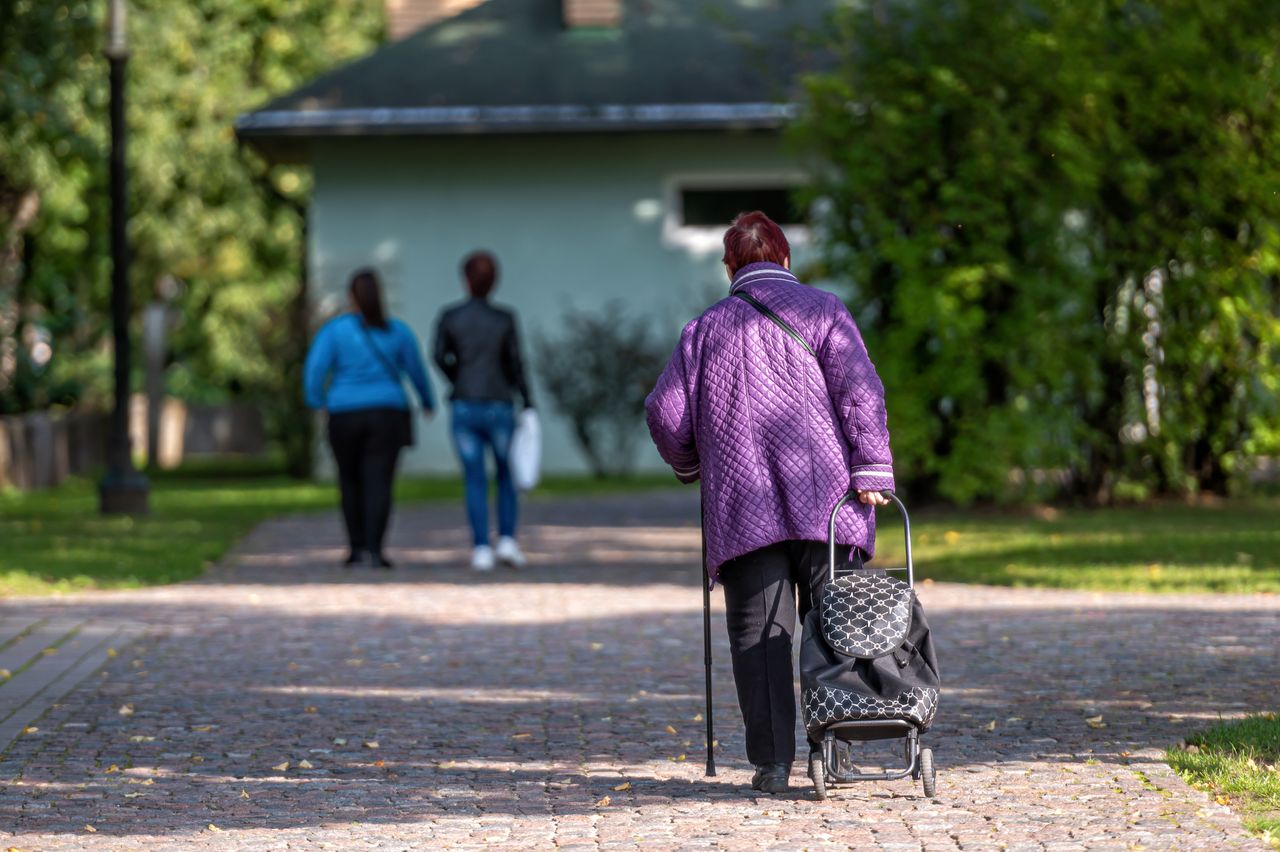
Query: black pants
pixel 760 596
pixel 366 445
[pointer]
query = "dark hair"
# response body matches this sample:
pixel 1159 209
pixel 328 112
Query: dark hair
pixel 752 238
pixel 366 292
pixel 480 268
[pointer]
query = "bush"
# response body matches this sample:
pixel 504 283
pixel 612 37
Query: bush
pixel 598 372
pixel 1059 221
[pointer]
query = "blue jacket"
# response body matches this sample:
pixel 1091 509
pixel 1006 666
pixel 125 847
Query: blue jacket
pixel 342 373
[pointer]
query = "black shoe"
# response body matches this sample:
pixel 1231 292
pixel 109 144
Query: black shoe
pixel 377 560
pixel 355 558
pixel 772 778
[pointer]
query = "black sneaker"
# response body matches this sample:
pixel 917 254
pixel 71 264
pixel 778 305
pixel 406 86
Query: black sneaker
pixel 377 560
pixel 355 558
pixel 772 778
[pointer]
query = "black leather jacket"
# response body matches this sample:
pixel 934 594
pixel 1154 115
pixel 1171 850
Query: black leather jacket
pixel 478 349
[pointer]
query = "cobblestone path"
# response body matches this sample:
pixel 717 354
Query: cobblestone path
pixel 281 702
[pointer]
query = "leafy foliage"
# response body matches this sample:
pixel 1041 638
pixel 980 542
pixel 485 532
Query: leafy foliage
pixel 204 210
pixel 1060 222
pixel 52 191
pixel 598 372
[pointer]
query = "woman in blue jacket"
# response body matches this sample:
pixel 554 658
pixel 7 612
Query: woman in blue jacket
pixel 353 372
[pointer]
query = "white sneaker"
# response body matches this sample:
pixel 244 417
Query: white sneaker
pixel 509 553
pixel 482 558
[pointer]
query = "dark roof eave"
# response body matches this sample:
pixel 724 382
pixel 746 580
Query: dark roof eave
pixel 443 121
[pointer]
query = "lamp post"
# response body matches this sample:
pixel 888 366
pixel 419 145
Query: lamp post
pixel 123 490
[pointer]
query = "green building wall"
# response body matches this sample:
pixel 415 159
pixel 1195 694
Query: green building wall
pixel 576 222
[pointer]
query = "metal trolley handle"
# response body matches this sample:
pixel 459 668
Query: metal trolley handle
pixel 831 535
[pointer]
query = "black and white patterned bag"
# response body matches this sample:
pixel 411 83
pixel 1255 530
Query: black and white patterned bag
pixel 867 654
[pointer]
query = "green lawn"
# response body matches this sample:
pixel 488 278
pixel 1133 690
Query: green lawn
pixel 1232 547
pixel 54 541
pixel 1238 763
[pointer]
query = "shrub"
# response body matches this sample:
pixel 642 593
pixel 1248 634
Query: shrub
pixel 598 372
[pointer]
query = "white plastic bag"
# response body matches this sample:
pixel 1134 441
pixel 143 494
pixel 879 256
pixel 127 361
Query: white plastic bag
pixel 526 450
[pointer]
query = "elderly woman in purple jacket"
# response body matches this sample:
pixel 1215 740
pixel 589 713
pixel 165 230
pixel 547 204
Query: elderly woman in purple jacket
pixel 776 428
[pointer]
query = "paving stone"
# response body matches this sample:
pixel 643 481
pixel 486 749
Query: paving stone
pixel 506 707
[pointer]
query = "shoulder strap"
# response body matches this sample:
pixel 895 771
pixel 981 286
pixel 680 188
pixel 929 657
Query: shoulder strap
pixel 391 369
pixel 776 320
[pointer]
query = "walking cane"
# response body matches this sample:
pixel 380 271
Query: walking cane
pixel 706 647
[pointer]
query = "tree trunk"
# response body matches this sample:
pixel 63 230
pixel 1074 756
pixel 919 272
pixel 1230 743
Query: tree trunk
pixel 19 209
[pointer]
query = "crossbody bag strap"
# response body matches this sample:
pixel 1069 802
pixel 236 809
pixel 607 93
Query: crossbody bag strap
pixel 391 369
pixel 776 320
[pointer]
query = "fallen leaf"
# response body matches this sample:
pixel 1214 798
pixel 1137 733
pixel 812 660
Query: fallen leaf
pixel 603 803
pixel 379 762
pixel 448 764
pixel 521 736
pixel 597 646
pixel 370 743
pixel 671 730
pixel 1095 721
pixel 281 767
pixel 311 708
pixel 111 652
pixel 90 829
pixel 31 730
pixel 1222 799
pixel 141 738
pixel 244 794
pixel 148 782
pixel 134 795
pixel 678 758
pixel 990 726
pixel 197 758
pixel 214 828
pixel 698 718
pixel 304 764
pixel 112 768
pixel 339 741
pixel 202 729
pixel 625 785
pixel 48 652
pixel 5 674
pixel 126 710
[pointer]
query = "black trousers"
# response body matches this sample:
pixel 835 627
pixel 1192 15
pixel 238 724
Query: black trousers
pixel 762 590
pixel 366 446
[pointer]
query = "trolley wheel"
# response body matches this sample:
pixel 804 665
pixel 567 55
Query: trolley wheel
pixel 818 772
pixel 928 773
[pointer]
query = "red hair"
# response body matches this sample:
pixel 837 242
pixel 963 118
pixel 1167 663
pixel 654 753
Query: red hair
pixel 480 268
pixel 753 238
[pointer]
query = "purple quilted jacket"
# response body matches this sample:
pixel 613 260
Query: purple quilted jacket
pixel 775 435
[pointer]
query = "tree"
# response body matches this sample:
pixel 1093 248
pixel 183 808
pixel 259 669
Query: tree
pixel 52 192
pixel 1058 219
pixel 204 210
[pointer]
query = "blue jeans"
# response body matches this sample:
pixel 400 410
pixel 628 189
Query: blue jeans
pixel 477 425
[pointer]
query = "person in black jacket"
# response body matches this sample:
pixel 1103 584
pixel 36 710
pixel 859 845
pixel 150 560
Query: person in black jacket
pixel 477 347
